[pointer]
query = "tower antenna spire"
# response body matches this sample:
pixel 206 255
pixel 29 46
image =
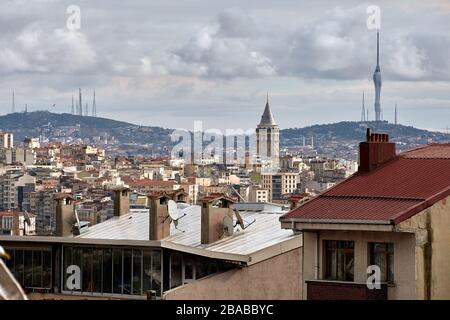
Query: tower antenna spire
pixel 363 110
pixel 94 107
pixel 80 103
pixel 13 103
pixel 378 47
pixel 377 82
pixel 396 113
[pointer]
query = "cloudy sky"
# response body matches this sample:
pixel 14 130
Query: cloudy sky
pixel 168 63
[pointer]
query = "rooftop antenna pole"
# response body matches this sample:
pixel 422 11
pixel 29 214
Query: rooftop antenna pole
pixel 94 107
pixel 80 103
pixel 363 110
pixel 13 103
pixel 396 113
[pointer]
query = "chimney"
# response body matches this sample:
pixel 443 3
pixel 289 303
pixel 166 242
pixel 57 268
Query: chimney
pixel 297 199
pixel 179 195
pixel 121 201
pixel 65 218
pixel 159 216
pixel 375 151
pixel 214 209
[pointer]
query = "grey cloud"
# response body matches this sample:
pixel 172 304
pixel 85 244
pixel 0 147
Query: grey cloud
pixel 336 45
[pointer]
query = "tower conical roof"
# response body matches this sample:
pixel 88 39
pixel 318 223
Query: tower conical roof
pixel 267 117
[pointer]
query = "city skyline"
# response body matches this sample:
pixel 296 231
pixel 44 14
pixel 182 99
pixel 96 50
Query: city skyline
pixel 167 67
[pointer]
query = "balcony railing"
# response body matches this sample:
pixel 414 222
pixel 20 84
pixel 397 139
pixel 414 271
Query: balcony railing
pixel 342 290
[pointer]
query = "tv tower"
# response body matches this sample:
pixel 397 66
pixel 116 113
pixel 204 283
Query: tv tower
pixel 363 110
pixel 94 107
pixel 377 82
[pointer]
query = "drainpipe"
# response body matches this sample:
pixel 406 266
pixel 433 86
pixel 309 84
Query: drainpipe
pixel 316 267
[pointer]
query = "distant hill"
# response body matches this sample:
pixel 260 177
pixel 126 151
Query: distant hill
pixel 335 139
pixel 341 139
pixel 357 130
pixel 54 126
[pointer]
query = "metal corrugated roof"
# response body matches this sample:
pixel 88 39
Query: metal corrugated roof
pixel 264 233
pixel 404 186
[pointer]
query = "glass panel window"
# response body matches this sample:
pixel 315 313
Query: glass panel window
pixel 127 265
pixel 97 270
pixel 147 272
pixel 28 268
pixel 156 272
pixel 137 271
pixel 67 251
pixel 37 268
pixel 117 271
pixel 339 260
pixel 18 262
pixel 107 270
pixel 382 255
pixel 86 281
pixel 46 269
pixel 175 270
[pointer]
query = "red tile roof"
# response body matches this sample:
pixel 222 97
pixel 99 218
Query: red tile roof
pixel 399 189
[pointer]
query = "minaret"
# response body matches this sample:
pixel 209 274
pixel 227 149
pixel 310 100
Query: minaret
pixel 377 82
pixel 363 110
pixel 268 137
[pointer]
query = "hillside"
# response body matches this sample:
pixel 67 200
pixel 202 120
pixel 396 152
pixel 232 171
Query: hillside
pixel 68 127
pixel 341 139
pixel 336 139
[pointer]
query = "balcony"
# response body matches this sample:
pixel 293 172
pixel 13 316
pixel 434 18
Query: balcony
pixel 342 290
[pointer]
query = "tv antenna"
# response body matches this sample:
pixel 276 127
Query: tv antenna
pixel 241 221
pixel 174 214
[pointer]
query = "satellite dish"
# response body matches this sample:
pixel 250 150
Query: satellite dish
pixel 173 210
pixel 174 213
pixel 228 227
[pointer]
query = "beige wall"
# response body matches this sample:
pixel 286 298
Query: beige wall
pixel 404 257
pixel 272 279
pixel 432 228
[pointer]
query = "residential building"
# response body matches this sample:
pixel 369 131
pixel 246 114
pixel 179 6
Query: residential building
pixel 280 184
pixel 392 216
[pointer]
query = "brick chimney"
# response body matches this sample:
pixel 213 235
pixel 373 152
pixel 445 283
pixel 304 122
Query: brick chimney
pixel 65 217
pixel 121 201
pixel 375 151
pixel 159 215
pixel 214 208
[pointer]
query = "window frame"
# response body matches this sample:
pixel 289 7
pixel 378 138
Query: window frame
pixel 389 256
pixel 337 250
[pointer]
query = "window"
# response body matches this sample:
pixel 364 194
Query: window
pixel 114 271
pixel 31 267
pixel 382 255
pixel 339 260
